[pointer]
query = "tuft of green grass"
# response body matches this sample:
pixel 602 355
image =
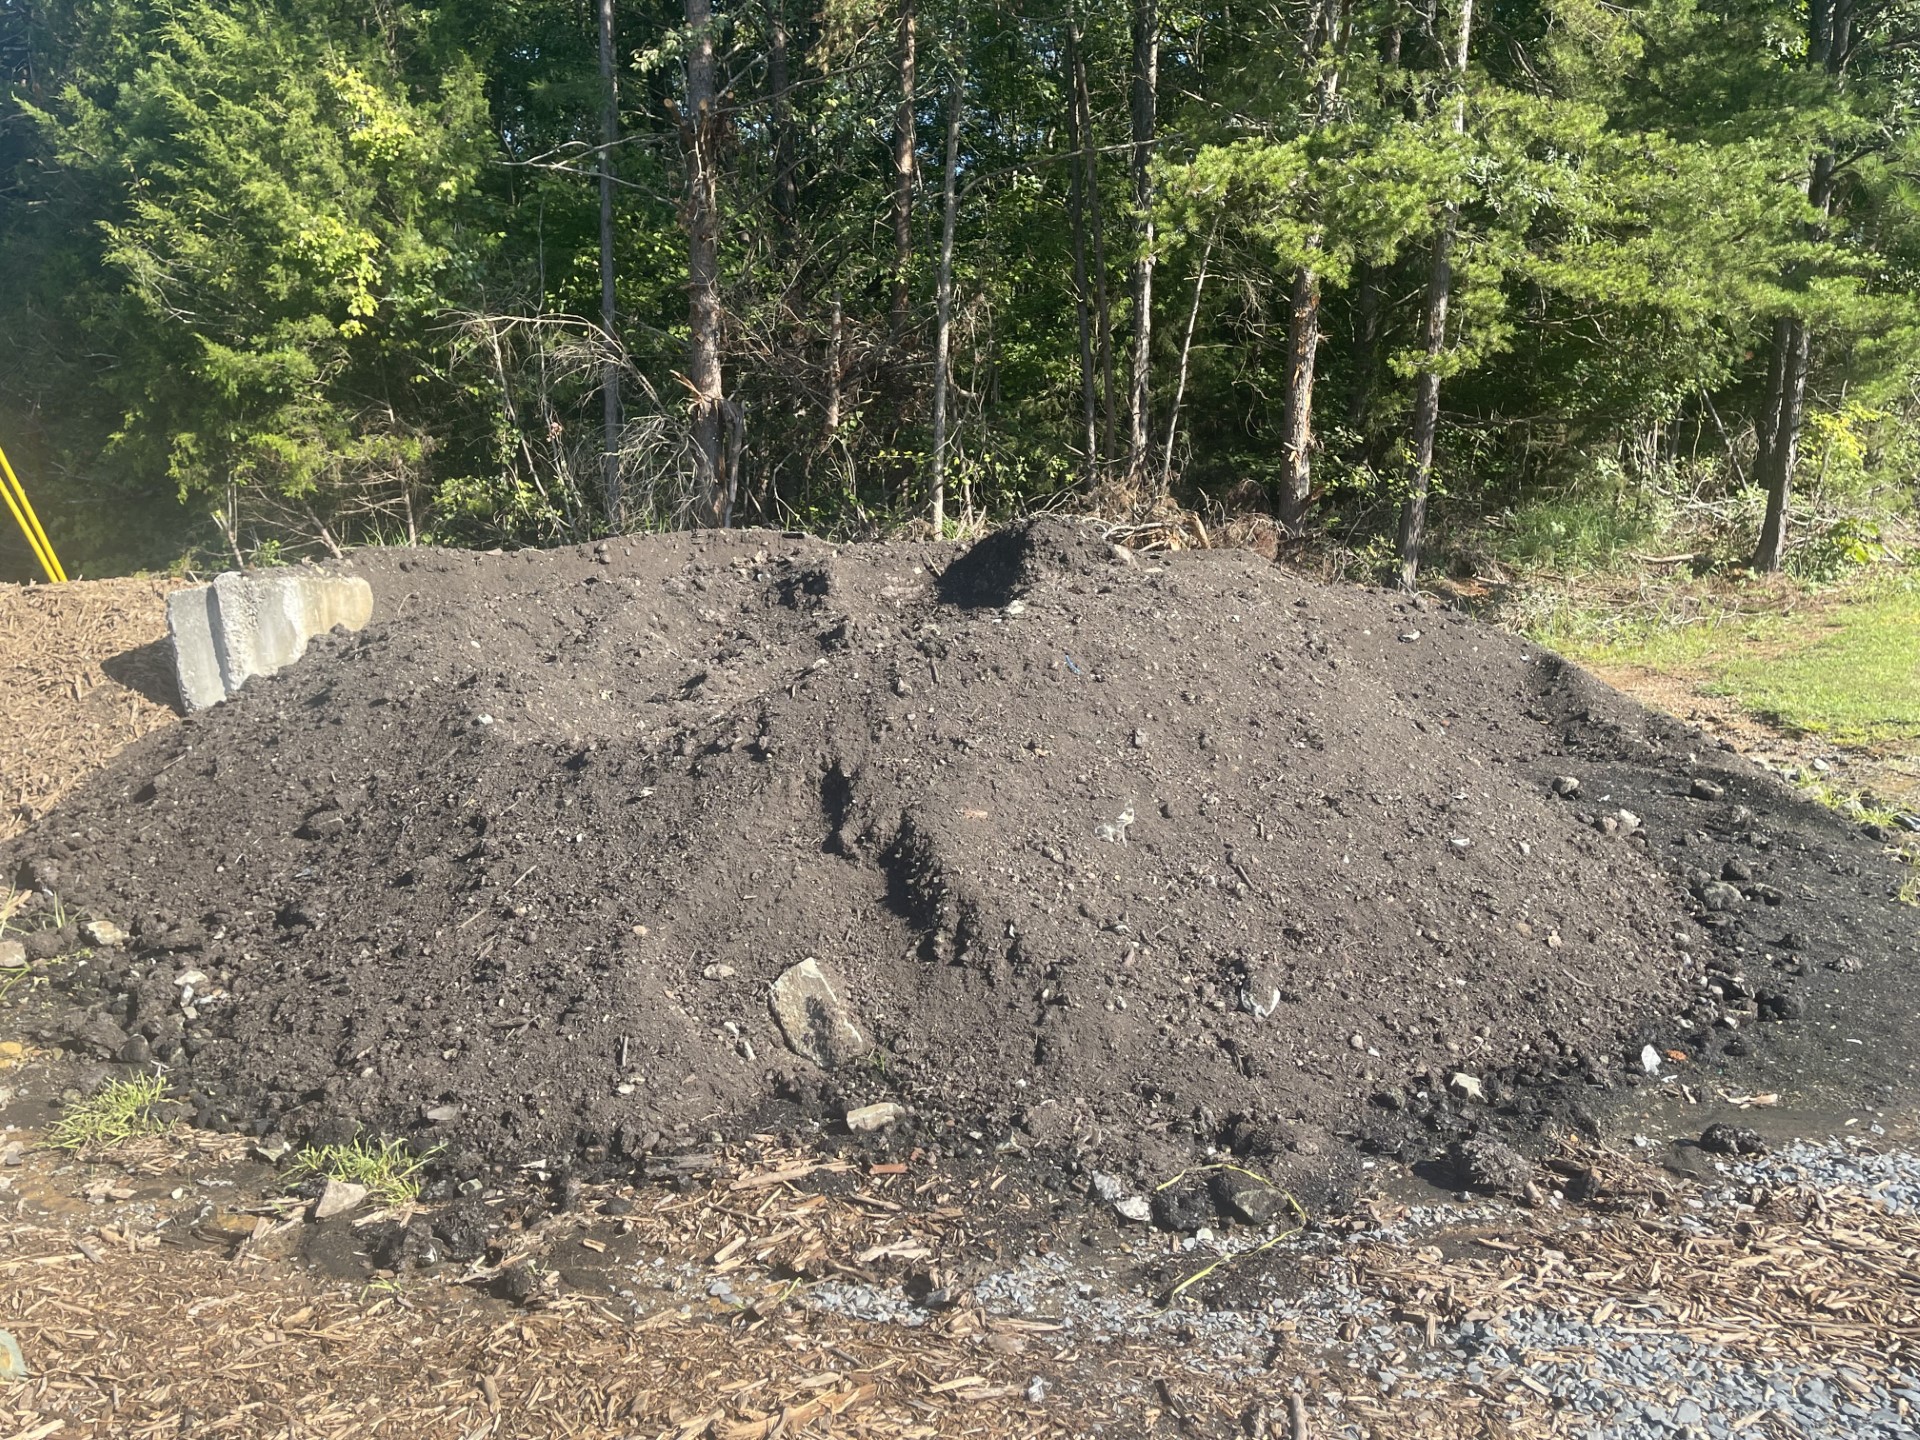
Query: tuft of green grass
pixel 119 1111
pixel 1857 805
pixel 389 1169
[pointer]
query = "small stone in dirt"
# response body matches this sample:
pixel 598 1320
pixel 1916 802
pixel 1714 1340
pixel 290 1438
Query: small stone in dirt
pixel 1136 1208
pixel 338 1198
pixel 1466 1086
pixel 1255 1206
pixel 875 1117
pixel 1490 1165
pixel 1717 895
pixel 104 933
pixel 1780 1005
pixel 1566 786
pixel 515 1285
pixel 1737 872
pixel 95 1033
pixel 442 1114
pixel 12 954
pixel 1723 1139
pixel 1706 790
pixel 813 1018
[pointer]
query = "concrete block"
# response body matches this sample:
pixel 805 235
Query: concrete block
pixel 245 625
pixel 196 662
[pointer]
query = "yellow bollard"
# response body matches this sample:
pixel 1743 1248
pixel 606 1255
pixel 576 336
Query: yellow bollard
pixel 29 522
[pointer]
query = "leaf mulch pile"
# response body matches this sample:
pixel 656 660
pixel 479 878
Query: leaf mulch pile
pixel 84 672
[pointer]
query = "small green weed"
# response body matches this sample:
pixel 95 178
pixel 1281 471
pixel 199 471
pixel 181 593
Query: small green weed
pixel 119 1111
pixel 389 1169
pixel 1856 805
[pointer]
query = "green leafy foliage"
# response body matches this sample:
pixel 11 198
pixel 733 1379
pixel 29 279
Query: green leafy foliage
pixel 283 277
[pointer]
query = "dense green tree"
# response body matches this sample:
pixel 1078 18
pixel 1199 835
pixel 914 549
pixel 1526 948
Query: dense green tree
pixel 523 270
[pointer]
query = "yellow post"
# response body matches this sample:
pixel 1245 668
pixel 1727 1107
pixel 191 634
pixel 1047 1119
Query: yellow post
pixel 29 522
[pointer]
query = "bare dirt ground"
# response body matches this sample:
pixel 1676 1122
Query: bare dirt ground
pixel 749 1282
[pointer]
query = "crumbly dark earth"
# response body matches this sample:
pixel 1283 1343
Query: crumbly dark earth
pixel 1128 858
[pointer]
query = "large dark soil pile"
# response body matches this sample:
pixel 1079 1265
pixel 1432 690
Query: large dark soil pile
pixel 1144 856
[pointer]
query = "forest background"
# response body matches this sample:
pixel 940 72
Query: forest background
pixel 1546 279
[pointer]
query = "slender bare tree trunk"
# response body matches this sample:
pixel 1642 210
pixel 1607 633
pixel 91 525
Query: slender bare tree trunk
pixel 1146 78
pixel 1186 353
pixel 942 339
pixel 903 172
pixel 1296 422
pixel 1303 311
pixel 1096 209
pixel 1830 46
pixel 1077 208
pixel 1426 391
pixel 610 367
pixel 835 365
pixel 699 127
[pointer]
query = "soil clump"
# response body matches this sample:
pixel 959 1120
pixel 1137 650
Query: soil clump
pixel 1150 861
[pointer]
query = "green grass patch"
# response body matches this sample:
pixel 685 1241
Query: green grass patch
pixel 1854 675
pixel 390 1169
pixel 119 1111
pixel 1843 663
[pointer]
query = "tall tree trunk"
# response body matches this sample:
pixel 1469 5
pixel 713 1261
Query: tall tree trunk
pixel 1146 79
pixel 1296 428
pixel 903 172
pixel 1303 313
pixel 780 83
pixel 1767 426
pixel 1426 392
pixel 1830 46
pixel 1102 303
pixel 1082 303
pixel 699 129
pixel 942 338
pixel 610 367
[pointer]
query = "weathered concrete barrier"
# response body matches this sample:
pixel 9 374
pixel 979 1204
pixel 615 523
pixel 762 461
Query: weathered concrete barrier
pixel 245 625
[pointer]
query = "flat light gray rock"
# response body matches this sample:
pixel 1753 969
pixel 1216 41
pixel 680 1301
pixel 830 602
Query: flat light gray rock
pixel 816 1022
